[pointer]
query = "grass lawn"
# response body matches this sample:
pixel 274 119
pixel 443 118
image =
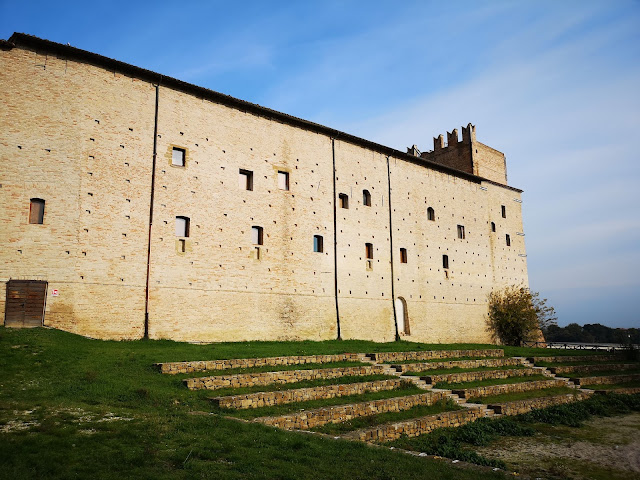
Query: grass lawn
pixel 71 407
pixel 511 397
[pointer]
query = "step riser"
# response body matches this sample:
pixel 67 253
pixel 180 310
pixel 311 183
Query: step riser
pixel 493 362
pixel 592 368
pixel 431 354
pixel 490 390
pixel 606 379
pixel 524 406
pixel 482 375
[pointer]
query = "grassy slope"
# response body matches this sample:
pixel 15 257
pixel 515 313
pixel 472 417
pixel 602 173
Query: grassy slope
pixel 68 387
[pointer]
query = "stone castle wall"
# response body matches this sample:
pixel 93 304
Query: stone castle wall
pixel 79 132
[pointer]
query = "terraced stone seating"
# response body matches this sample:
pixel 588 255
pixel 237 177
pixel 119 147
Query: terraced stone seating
pixel 606 379
pixel 523 406
pixel 266 399
pixel 461 377
pixel 593 368
pixel 417 426
pixel 433 354
pixel 487 362
pixel 574 358
pixel 286 376
pixel 622 390
pixel 207 365
pixel 491 390
pixel 342 413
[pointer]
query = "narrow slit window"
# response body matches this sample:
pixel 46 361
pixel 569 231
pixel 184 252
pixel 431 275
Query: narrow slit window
pixel 318 243
pixel 256 235
pixel 368 250
pixel 36 211
pixel 366 198
pixel 508 240
pixel 461 234
pixel 403 255
pixel 344 200
pixel 431 214
pixel 493 227
pixel 182 227
pixel 504 211
pixel 445 261
pixel 245 179
pixel 283 180
pixel 177 157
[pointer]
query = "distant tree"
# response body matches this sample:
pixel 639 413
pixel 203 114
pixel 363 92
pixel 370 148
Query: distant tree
pixel 516 315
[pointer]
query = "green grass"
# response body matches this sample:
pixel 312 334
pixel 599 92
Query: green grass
pixel 373 420
pixel 276 410
pixel 446 371
pixel 71 407
pixel 491 381
pixel 274 368
pixel 512 397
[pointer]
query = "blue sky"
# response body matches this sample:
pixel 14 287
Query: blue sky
pixel 554 85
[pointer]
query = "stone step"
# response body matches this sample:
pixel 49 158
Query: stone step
pixel 574 358
pixel 523 406
pixel 432 354
pixel 418 426
pixel 226 364
pixel 461 377
pixel 286 376
pixel 281 397
pixel 489 390
pixel 606 379
pixel 593 368
pixel 306 420
pixel 485 362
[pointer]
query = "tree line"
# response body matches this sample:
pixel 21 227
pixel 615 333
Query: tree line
pixel 591 333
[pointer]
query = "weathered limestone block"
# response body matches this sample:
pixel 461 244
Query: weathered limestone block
pixel 430 354
pixel 508 388
pixel 481 375
pixel 225 364
pixel 523 406
pixel 487 362
pixel 343 413
pixel 417 426
pixel 286 376
pixel 606 379
pixel 264 399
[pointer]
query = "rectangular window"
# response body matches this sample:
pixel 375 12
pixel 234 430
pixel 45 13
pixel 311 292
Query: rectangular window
pixel 403 255
pixel 504 211
pixel 344 200
pixel 182 227
pixel 256 235
pixel 36 211
pixel 461 232
pixel 177 157
pixel 368 250
pixel 318 243
pixel 283 180
pixel 508 240
pixel 245 180
pixel 445 261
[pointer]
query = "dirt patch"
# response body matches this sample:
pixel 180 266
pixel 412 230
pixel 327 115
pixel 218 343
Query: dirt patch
pixel 603 448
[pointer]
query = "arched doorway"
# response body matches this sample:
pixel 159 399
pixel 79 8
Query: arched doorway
pixel 403 316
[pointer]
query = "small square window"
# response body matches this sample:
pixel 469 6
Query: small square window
pixel 245 179
pixel 318 243
pixel 403 255
pixel 283 180
pixel 368 250
pixel 256 235
pixel 344 200
pixel 182 227
pixel 36 211
pixel 177 157
pixel 461 232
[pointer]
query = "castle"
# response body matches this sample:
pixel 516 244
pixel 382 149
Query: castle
pixel 134 204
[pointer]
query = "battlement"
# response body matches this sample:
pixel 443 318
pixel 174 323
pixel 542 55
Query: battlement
pixel 466 154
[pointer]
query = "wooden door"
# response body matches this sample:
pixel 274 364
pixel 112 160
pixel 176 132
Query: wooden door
pixel 26 300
